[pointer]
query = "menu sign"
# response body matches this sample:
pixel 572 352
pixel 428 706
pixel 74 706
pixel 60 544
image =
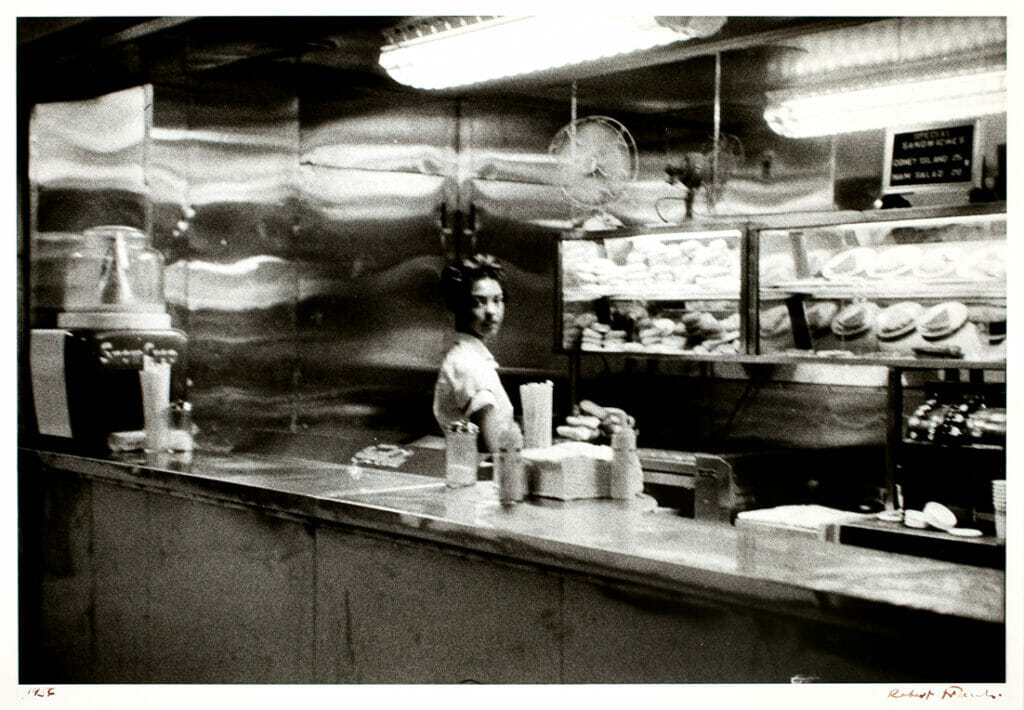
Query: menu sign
pixel 932 156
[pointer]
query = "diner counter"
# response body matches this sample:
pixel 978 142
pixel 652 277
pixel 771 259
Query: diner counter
pixel 632 542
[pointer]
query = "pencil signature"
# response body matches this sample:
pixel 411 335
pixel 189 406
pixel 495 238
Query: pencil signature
pixel 950 692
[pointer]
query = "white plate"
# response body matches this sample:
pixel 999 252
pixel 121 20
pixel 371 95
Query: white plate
pixel 939 516
pixel 984 263
pixel 965 532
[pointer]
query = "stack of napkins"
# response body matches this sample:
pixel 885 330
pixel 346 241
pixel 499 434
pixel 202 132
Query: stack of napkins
pixel 569 471
pixel 815 518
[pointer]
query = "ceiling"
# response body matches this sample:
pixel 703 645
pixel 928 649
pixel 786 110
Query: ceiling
pixel 66 58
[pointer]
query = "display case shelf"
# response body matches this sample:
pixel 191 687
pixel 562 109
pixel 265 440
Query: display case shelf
pixel 883 286
pixel 964 446
pixel 658 291
pixel 887 290
pixel 892 288
pixel 652 295
pixel 802 358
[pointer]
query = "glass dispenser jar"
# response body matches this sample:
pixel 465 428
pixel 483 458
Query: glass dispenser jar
pixel 115 270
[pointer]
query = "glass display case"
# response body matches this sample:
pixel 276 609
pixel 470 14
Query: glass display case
pixel 658 292
pixel 891 290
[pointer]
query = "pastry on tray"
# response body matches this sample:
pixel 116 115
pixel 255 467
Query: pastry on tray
pixel 984 263
pixel 855 319
pixel 947 326
pixel 942 320
pixel 939 261
pixel 898 320
pixel 848 264
pixel 894 262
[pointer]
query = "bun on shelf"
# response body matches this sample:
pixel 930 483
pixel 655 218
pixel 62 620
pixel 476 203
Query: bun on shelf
pixel 820 315
pixel 774 322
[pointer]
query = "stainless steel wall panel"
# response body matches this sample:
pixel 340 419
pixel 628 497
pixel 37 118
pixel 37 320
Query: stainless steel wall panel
pixel 387 132
pixel 525 205
pixel 381 202
pixel 97 144
pixel 167 176
pixel 371 254
pixel 87 166
pixel 510 181
pixel 519 223
pixel 508 141
pixel 240 280
pixel 374 172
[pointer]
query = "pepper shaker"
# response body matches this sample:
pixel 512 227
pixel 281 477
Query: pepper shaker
pixel 508 466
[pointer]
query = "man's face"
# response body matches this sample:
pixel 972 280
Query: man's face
pixel 487 309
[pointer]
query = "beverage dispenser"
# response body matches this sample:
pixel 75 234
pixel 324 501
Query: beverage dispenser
pixel 85 373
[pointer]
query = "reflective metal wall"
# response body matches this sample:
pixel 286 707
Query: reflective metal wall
pixel 305 220
pixel 87 166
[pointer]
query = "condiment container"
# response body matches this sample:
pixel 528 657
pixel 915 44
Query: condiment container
pixel 509 469
pixel 627 477
pixel 179 427
pixel 461 456
pixel 115 269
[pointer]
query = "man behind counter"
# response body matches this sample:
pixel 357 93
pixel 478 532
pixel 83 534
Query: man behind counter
pixel 468 387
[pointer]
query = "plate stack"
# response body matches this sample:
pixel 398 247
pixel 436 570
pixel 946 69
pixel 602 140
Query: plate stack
pixel 999 503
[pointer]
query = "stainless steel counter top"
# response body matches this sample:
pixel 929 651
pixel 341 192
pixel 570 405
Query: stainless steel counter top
pixel 626 542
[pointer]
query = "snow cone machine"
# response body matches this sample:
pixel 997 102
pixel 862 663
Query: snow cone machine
pixel 86 373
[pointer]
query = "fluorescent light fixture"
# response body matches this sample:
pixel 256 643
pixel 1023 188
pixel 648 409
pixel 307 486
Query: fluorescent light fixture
pixel 444 52
pixel 932 100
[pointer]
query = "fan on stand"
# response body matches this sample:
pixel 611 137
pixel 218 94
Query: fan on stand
pixel 705 172
pixel 597 159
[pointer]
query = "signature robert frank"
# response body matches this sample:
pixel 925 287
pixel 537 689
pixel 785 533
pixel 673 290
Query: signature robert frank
pixel 950 692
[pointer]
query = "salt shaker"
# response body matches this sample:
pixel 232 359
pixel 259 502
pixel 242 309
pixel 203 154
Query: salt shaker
pixel 461 455
pixel 627 477
pixel 508 466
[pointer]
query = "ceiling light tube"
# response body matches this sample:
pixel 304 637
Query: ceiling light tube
pixel 442 54
pixel 927 101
